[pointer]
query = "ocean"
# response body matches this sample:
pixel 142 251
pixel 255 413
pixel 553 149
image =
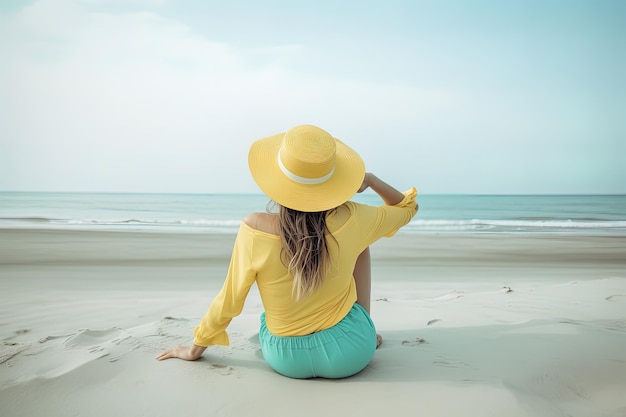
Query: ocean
pixel 222 213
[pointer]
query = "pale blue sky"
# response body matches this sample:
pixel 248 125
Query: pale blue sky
pixel 449 96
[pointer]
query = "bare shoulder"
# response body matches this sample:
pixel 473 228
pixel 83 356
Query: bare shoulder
pixel 265 222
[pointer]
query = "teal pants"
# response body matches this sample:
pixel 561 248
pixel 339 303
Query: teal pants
pixel 337 352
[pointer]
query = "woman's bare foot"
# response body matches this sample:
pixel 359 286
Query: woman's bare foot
pixel 379 340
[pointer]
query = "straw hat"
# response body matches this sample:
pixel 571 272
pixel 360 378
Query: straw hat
pixel 306 169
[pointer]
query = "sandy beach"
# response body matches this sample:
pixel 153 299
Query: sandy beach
pixel 473 325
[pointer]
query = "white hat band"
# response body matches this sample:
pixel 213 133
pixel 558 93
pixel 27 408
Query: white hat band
pixel 303 180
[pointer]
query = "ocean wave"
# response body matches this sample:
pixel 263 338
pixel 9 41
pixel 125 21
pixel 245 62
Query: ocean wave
pixel 520 225
pixel 119 224
pixel 174 223
pixel 231 225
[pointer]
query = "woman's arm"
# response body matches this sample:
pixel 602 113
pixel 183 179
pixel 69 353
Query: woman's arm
pixel 226 305
pixel 389 194
pixel 188 353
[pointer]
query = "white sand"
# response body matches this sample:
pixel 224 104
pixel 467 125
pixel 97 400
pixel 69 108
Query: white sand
pixel 83 315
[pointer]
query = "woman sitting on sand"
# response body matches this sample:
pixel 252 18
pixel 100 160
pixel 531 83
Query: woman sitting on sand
pixel 310 261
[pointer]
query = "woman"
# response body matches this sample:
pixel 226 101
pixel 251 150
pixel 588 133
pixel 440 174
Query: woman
pixel 310 261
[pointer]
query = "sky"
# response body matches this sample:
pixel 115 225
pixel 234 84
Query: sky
pixel 478 97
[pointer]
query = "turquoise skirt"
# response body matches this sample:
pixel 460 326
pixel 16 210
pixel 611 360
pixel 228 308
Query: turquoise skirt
pixel 337 352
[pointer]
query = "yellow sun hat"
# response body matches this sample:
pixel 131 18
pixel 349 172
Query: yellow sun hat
pixel 306 169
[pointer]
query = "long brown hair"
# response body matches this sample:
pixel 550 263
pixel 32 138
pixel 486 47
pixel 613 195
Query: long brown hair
pixel 304 248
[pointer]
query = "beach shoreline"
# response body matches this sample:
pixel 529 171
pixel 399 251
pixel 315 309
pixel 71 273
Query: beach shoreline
pixel 536 324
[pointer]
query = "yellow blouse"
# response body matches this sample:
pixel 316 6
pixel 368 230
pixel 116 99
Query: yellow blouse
pixel 256 258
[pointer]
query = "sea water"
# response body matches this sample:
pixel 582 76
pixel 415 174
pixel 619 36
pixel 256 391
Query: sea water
pixel 222 213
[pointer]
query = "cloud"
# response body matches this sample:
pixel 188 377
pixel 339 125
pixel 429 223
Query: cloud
pixel 99 96
pixel 119 96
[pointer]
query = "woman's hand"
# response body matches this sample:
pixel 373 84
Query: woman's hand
pixel 188 353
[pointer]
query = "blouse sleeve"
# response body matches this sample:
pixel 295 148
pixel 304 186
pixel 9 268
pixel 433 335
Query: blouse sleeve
pixel 407 206
pixel 385 221
pixel 230 300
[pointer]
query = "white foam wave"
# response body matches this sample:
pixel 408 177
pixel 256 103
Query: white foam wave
pixel 178 225
pixel 521 225
pixel 231 225
pixel 148 222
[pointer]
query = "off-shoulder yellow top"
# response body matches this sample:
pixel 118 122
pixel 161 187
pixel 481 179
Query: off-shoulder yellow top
pixel 256 258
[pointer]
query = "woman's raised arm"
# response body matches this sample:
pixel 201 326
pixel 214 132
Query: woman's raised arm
pixel 389 194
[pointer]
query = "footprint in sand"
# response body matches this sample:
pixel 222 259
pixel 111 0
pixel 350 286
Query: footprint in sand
pixel 170 318
pixel 223 370
pixel 621 298
pixel 449 363
pixel 16 334
pixel 8 350
pixel 412 343
pixel 48 338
